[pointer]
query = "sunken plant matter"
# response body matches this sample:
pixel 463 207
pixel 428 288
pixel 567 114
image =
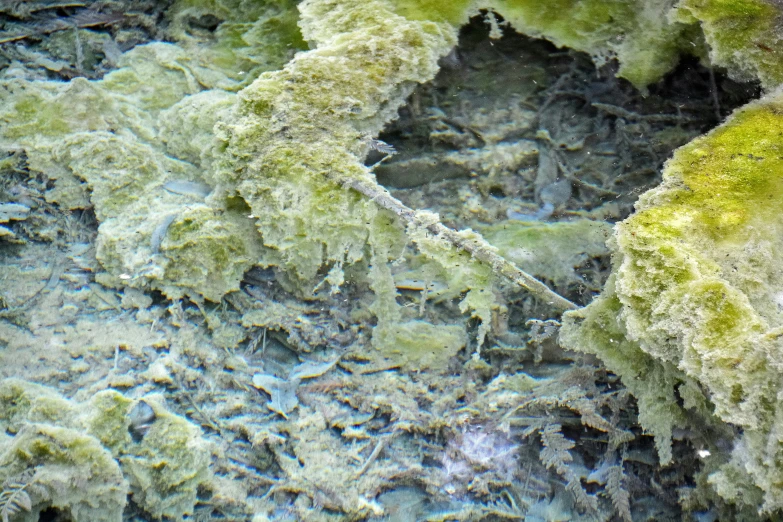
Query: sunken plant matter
pixel 237 150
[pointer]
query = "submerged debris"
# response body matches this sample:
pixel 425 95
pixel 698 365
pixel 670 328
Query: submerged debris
pixel 177 286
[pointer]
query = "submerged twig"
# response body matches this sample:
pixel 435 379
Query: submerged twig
pixel 714 93
pixel 477 247
pixel 83 20
pixel 614 110
pixel 379 447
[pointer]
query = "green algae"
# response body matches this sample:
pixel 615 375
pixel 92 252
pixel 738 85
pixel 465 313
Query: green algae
pixel 639 34
pixel 167 467
pixel 276 152
pixel 418 345
pixel 281 145
pixel 109 421
pixel 82 459
pixel 696 289
pixel 742 36
pixel 275 201
pixel 455 13
pixel 73 473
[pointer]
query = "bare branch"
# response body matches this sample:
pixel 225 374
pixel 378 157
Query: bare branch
pixel 477 247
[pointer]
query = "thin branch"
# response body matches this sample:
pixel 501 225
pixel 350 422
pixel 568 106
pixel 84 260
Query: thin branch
pixel 477 247
pixel 614 110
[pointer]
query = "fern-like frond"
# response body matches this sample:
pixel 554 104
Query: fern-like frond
pixel 621 500
pixel 556 454
pixel 582 498
pixel 14 499
pixel 556 448
pixel 589 415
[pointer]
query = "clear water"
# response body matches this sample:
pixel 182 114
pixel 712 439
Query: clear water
pixel 127 398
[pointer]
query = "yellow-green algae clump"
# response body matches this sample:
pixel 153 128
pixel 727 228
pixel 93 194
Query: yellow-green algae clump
pixel 697 296
pixel 742 35
pixel 105 144
pixel 85 459
pixel 639 34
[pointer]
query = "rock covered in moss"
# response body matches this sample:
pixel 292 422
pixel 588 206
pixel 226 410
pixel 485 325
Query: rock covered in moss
pixel 742 35
pixel 86 458
pixel 66 470
pixel 697 293
pixel 299 127
pixel 167 465
pixel 98 141
pixel 56 462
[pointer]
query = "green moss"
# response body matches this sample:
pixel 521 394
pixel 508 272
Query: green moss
pixel 638 33
pixel 455 13
pixel 108 420
pixel 737 161
pixel 598 329
pixel 70 471
pixel 166 468
pixel 72 450
pixel 696 290
pixel 208 254
pixel 742 36
pixel 22 402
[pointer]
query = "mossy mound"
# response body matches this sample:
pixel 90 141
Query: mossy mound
pixel 85 459
pixel 696 295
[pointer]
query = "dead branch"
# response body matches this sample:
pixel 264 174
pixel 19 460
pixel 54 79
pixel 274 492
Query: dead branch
pixel 477 247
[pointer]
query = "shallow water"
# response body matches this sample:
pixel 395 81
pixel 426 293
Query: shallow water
pixel 165 355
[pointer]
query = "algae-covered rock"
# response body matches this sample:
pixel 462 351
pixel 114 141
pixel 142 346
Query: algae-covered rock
pixel 86 458
pixel 639 34
pixel 67 470
pixel 598 328
pixel 742 35
pixel 166 467
pixel 58 464
pixel 22 402
pixel 98 142
pixel 696 292
pixel 113 144
pixel 297 127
